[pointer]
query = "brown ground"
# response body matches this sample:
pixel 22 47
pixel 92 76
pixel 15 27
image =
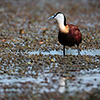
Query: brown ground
pixel 24 27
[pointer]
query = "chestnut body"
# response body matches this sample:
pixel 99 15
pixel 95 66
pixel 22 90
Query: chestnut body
pixel 71 38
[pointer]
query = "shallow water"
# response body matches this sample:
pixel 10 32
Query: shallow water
pixel 70 51
pixel 25 73
pixel 84 80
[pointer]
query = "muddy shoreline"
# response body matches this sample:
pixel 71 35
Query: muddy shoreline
pixel 32 65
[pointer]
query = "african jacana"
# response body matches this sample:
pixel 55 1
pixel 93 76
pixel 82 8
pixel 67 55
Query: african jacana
pixel 69 34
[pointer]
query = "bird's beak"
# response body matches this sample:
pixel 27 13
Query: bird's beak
pixel 51 17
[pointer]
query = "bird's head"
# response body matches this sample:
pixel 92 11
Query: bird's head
pixel 59 17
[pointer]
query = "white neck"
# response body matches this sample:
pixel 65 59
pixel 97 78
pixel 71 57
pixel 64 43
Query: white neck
pixel 63 28
pixel 60 19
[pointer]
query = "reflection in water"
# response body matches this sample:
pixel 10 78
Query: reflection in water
pixel 62 85
pixel 86 81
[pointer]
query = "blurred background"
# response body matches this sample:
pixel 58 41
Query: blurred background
pixel 31 63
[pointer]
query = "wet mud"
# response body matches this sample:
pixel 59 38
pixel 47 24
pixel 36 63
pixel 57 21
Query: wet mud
pixel 32 65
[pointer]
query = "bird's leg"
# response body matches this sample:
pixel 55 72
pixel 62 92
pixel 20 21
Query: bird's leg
pixel 78 50
pixel 64 50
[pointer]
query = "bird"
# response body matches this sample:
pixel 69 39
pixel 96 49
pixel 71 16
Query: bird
pixel 68 34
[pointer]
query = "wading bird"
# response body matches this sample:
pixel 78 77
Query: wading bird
pixel 69 34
